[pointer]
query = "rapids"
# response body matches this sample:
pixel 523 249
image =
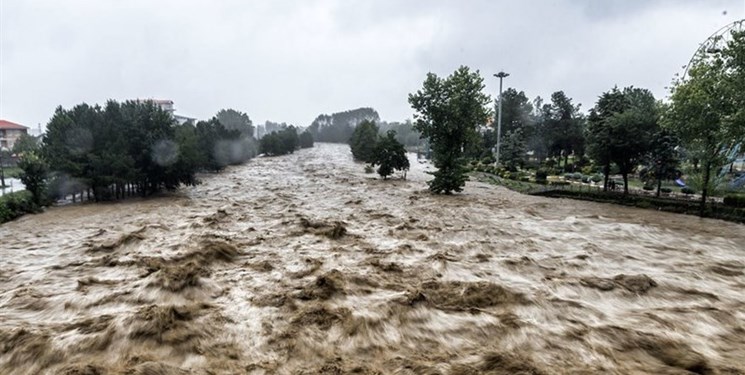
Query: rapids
pixel 305 264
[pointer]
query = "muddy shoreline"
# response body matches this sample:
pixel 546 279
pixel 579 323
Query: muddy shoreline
pixel 304 264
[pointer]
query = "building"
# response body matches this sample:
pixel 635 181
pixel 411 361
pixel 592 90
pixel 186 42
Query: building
pixel 9 133
pixel 167 105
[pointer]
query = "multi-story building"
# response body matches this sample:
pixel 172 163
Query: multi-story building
pixel 9 133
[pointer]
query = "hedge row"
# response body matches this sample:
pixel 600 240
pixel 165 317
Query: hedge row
pixel 16 204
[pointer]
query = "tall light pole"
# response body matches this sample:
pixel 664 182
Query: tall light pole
pixel 500 75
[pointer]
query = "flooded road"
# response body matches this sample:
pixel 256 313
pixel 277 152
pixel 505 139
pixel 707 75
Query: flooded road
pixel 303 264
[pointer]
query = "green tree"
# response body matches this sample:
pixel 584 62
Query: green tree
pixel 390 155
pixel 562 128
pixel 34 175
pixel 706 110
pixel 306 139
pixel 620 129
pixel 513 149
pixel 663 158
pixel 447 113
pixel 363 141
pixel 236 120
pixel 26 143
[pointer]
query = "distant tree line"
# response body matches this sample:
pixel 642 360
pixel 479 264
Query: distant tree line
pixel 338 127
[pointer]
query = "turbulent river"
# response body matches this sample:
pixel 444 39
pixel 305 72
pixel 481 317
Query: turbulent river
pixel 304 264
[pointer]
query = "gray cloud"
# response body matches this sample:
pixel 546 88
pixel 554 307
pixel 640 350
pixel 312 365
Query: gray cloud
pixel 291 60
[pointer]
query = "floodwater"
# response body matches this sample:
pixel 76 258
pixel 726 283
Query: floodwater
pixel 304 264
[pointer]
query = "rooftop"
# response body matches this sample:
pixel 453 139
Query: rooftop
pixel 7 125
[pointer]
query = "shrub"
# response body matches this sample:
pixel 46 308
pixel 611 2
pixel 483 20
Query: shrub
pixel 369 169
pixel 568 176
pixel 735 200
pixel 687 191
pixel 559 183
pixel 488 160
pixel 648 187
pixel 586 179
pixel 666 190
pixel 576 176
pixel 596 178
pixel 525 179
pixel 16 204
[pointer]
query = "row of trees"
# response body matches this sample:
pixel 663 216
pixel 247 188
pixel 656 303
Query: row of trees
pixel 627 131
pixel 386 152
pixel 130 148
pixel 285 141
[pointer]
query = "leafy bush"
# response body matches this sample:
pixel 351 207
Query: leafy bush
pixel 369 169
pixel 16 204
pixel 687 191
pixel 488 160
pixel 666 190
pixel 586 179
pixel 587 170
pixel 568 176
pixel 577 176
pixel 596 178
pixel 648 187
pixel 525 179
pixel 735 200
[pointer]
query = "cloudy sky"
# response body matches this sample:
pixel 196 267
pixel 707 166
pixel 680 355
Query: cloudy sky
pixel 291 60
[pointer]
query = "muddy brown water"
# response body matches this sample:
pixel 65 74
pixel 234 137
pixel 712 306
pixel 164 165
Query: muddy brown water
pixel 304 264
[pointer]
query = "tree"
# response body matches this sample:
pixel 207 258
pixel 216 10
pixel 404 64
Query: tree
pixel 619 130
pixel 390 155
pixel 26 143
pixel 706 110
pixel 447 113
pixel 513 149
pixel 306 139
pixel 663 159
pixel 363 141
pixel 34 175
pixel 236 120
pixel 280 143
pixel 562 127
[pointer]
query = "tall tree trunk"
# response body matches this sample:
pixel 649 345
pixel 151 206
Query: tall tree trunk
pixel 705 190
pixel 625 183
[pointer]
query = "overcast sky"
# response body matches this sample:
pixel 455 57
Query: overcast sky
pixel 292 60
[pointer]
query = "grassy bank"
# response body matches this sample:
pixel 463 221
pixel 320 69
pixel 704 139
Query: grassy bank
pixel 594 194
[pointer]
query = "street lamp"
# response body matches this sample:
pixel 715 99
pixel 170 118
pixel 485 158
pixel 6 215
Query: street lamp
pixel 499 75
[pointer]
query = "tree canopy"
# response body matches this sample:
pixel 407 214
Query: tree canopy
pixel 448 110
pixel 706 110
pixel 363 141
pixel 389 155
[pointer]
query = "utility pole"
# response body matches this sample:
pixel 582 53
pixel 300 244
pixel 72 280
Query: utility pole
pixel 500 75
